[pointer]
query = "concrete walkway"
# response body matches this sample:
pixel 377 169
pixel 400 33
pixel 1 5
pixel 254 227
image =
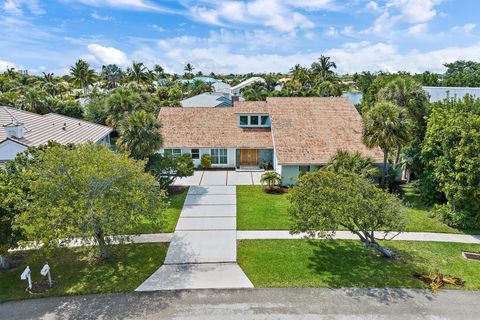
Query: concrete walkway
pixel 203 250
pixel 347 235
pixel 221 178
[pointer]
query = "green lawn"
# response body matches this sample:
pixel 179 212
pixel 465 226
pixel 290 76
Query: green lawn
pixel 77 271
pixel 169 219
pixel 346 263
pixel 257 210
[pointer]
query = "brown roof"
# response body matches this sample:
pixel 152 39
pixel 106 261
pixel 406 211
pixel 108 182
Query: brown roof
pixel 304 130
pixel 311 130
pixel 209 127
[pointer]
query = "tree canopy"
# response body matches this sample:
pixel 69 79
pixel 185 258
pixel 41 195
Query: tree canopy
pixel 323 201
pixel 87 192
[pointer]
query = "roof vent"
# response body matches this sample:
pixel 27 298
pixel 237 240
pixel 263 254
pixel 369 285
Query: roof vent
pixel 14 130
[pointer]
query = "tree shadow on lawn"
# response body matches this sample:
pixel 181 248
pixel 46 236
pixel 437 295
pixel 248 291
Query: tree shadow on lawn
pixel 349 264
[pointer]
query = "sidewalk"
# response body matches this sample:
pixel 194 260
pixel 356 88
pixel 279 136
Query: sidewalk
pixel 203 250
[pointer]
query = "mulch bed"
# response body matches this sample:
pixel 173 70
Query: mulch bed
pixel 175 190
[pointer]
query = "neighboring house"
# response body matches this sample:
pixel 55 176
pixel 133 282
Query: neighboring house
pixel 221 86
pixel 209 99
pixel 203 79
pixel 292 135
pixel 456 93
pixel 21 129
pixel 235 90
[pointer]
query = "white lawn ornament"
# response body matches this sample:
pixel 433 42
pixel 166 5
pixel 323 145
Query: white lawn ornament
pixel 26 275
pixel 46 272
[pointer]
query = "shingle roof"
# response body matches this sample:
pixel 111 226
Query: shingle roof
pixel 304 130
pixel 311 130
pixel 39 129
pixel 210 99
pixel 209 127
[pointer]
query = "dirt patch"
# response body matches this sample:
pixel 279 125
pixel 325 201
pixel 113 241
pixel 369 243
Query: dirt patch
pixel 41 286
pixel 175 190
pixel 281 190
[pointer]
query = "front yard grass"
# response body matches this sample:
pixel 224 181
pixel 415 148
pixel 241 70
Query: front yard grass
pixel 257 210
pixel 169 219
pixel 77 271
pixel 347 263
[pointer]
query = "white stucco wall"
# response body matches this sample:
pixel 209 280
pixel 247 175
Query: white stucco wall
pixel 231 156
pixel 9 149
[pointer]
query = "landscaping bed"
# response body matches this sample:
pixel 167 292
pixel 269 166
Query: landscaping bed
pixel 347 263
pixel 78 271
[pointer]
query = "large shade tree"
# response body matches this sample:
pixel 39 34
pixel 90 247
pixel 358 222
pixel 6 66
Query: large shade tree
pixel 323 201
pixel 384 126
pixel 88 192
pixel 139 135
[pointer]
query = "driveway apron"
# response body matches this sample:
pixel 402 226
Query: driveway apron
pixel 203 250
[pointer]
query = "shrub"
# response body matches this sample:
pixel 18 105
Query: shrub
pixel 271 181
pixel 206 161
pixel 449 216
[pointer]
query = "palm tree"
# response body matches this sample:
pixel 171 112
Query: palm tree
pixel 112 75
pixel 139 135
pixel 323 68
pixel 384 127
pixel 271 181
pixel 189 70
pixel 159 71
pixel 254 92
pixel 409 95
pixel 345 161
pixel 121 103
pixel 138 73
pixel 82 75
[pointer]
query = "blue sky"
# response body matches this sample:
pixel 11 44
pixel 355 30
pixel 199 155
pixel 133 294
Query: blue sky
pixel 238 36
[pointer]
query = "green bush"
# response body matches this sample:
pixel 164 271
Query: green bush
pixel 271 181
pixel 456 219
pixel 206 161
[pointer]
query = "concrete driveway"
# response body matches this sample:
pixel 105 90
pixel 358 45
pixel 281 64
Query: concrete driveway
pixel 221 178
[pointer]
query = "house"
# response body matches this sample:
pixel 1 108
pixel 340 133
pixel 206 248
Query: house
pixel 290 135
pixel 208 99
pixel 221 86
pixel 21 129
pixel 235 90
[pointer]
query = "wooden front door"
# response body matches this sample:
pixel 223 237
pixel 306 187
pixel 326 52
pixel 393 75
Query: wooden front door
pixel 248 157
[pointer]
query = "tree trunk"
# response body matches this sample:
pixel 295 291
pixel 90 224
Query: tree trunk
pixel 397 157
pixel 384 170
pixel 384 251
pixel 3 262
pixel 101 243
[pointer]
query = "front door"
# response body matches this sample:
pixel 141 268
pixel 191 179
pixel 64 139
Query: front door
pixel 248 157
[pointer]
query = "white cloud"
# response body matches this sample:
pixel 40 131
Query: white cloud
pixel 313 4
pixel 99 17
pixel 15 7
pixel 6 64
pixel 467 28
pixel 418 29
pixel 415 11
pixel 144 5
pixel 107 55
pixel 270 13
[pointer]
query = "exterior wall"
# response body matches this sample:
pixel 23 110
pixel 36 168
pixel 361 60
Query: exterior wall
pixel 9 150
pixel 231 156
pixel 290 173
pixel 264 155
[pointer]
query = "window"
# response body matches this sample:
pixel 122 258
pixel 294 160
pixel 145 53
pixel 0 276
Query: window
pixel 244 120
pixel 219 156
pixel 195 153
pixel 254 120
pixel 264 120
pixel 302 170
pixel 173 152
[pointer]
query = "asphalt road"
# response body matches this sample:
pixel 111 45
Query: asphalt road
pixel 265 304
